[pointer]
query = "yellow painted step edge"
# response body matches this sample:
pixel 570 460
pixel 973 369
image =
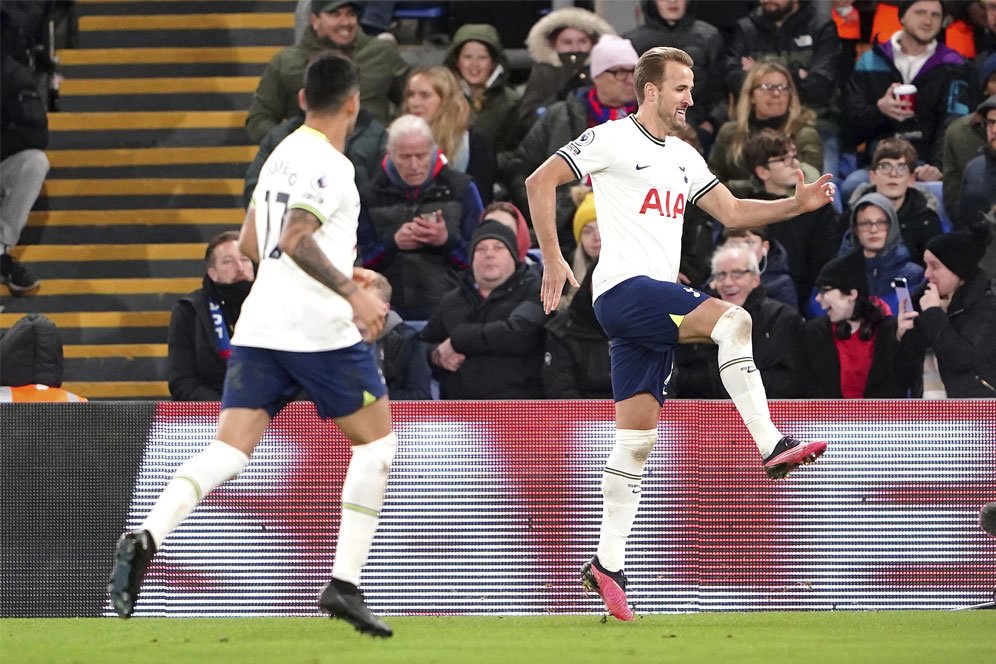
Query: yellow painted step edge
pixel 181 216
pixel 114 350
pixel 234 154
pixel 88 87
pixel 118 389
pixel 250 21
pixel 144 187
pixel 114 286
pixel 166 55
pixel 111 120
pixel 43 253
pixel 101 319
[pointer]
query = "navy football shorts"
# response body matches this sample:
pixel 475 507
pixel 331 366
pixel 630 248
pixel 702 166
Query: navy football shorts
pixel 340 382
pixel 641 318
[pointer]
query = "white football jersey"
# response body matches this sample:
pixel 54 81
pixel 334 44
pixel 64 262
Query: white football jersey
pixel 642 186
pixel 287 309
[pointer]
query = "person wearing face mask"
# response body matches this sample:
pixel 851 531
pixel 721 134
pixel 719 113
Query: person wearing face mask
pixel 850 352
pixel 946 342
pixel 201 326
pixel 559 44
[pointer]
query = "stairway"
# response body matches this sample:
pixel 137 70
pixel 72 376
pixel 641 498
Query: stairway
pixel 147 155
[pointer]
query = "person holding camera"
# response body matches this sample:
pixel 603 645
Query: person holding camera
pixel 946 342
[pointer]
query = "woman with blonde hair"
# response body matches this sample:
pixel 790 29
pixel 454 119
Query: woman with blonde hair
pixel 768 99
pixel 433 94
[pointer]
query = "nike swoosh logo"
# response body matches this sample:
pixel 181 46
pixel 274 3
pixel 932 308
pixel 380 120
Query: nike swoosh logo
pixel 640 168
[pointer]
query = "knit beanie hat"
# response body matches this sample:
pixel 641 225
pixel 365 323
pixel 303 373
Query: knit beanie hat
pixel 611 52
pixel 906 4
pixel 495 230
pixel 585 214
pixel 987 105
pixel 961 251
pixel 845 272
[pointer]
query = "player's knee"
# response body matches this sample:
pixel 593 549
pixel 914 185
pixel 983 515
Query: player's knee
pixel 379 452
pixel 733 326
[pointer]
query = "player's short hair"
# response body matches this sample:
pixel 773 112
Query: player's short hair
pixel 219 239
pixel 409 124
pixel 735 250
pixel 329 80
pixel 382 287
pixel 894 148
pixel 652 66
pixel 765 145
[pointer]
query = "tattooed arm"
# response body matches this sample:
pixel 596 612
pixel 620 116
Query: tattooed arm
pixel 297 241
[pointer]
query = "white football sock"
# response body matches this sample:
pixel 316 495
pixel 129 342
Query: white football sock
pixel 741 378
pixel 362 498
pixel 621 486
pixel 196 478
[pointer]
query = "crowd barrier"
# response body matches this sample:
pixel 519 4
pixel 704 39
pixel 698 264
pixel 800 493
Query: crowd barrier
pixel 492 507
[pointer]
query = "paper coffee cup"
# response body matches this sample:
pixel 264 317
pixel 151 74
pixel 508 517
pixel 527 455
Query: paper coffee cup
pixel 906 93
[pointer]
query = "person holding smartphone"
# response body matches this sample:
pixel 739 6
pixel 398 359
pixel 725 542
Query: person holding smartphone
pixel 946 342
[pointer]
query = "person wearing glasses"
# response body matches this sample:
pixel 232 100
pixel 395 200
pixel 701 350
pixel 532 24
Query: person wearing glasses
pixel 874 230
pixel 893 174
pixel 768 100
pixel 850 352
pixel 736 278
pixel 611 97
pixel 809 239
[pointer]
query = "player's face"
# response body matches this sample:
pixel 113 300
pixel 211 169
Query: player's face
pixel 734 280
pixel 672 10
pixel 838 304
pixel 772 100
pixel 937 273
pixel 991 127
pixel 871 227
pixel 230 265
pixel 572 40
pixel 421 99
pixel 340 26
pixel 892 177
pixel 475 63
pixel 675 95
pixel 412 154
pixel 591 241
pixel 922 21
pixel 492 264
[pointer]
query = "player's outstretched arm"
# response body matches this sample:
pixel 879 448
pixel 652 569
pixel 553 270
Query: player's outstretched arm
pixel 735 212
pixel 297 241
pixel 541 188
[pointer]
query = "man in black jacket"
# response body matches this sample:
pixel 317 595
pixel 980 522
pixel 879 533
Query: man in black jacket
pixel 487 334
pixel 202 322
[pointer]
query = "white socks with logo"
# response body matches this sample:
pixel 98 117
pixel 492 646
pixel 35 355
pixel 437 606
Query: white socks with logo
pixel 621 487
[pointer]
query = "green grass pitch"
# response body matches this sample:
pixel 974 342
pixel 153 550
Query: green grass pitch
pixel 906 637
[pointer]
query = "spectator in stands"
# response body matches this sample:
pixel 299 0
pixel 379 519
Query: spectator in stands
pixel 874 229
pixel 202 323
pixel 32 367
pixel 576 364
pixel 978 186
pixel 768 99
pixel 986 38
pixel 810 239
pixel 400 356
pixel 433 94
pixel 805 39
pixel 850 352
pixel 416 220
pixel 478 60
pixel 505 213
pixel 334 25
pixel 892 175
pixel 613 96
pixel 964 138
pixel 771 259
pixel 589 242
pixel 487 334
pixel 559 44
pixel 736 278
pixel 23 165
pixel 364 147
pixel 946 343
pixel 673 23
pixel 871 111
pixel 375 19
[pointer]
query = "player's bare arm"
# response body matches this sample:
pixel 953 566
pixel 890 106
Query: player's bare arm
pixel 541 188
pixel 297 241
pixel 735 212
pixel 247 236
